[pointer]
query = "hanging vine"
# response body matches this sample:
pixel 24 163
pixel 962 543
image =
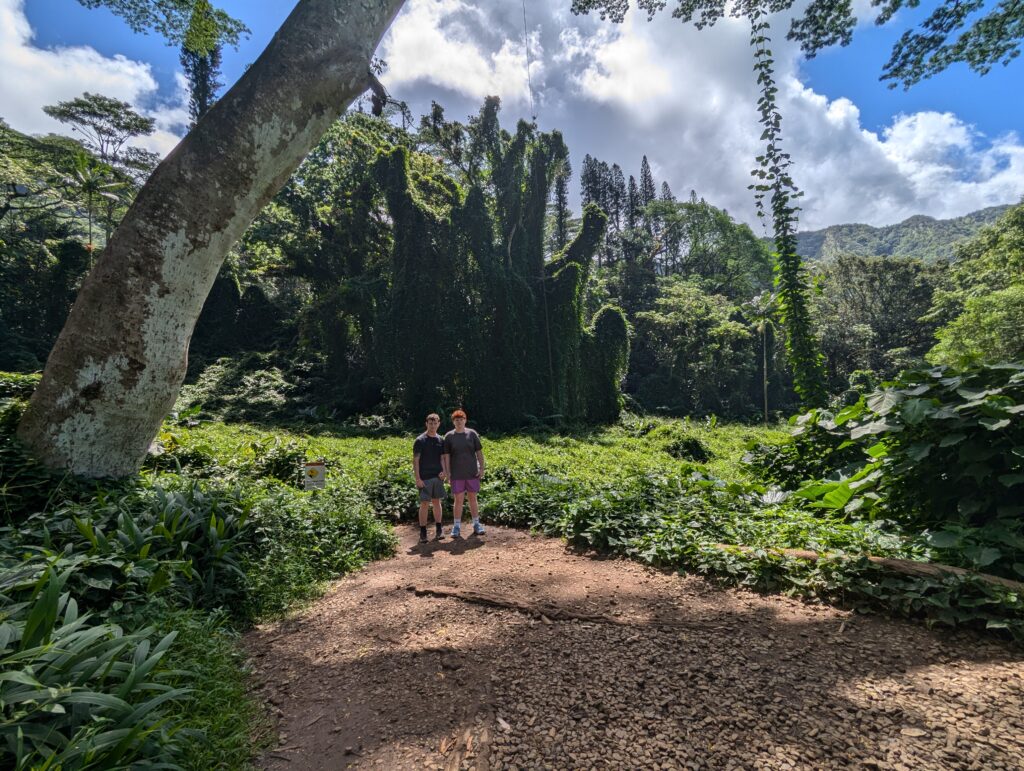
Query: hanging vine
pixel 774 193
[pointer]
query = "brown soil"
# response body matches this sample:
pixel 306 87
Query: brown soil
pixel 662 671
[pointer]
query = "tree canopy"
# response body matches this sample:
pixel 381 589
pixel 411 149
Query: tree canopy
pixel 978 33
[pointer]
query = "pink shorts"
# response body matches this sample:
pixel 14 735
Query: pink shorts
pixel 460 486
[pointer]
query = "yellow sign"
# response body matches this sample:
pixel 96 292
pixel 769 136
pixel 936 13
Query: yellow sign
pixel 314 475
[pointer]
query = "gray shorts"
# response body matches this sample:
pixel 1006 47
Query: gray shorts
pixel 432 489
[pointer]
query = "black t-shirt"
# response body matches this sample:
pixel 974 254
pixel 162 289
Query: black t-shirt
pixel 429 448
pixel 463 449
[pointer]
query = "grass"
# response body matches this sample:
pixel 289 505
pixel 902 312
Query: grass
pixel 220 704
pixel 637 447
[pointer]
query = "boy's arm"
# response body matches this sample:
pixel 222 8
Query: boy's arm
pixel 416 469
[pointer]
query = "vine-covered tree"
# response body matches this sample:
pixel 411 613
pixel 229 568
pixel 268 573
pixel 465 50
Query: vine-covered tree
pixel 512 324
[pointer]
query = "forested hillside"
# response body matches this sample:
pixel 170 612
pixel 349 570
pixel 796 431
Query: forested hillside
pixel 392 249
pixel 919 237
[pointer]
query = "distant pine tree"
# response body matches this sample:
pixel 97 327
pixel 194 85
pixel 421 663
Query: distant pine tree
pixel 562 213
pixel 647 189
pixel 633 212
pixel 617 197
pixel 666 192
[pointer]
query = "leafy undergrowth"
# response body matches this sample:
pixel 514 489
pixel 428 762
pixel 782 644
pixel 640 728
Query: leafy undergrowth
pixel 635 490
pixel 120 602
pixel 146 582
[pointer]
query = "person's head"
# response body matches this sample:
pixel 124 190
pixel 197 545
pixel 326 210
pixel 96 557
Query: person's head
pixel 433 421
pixel 459 419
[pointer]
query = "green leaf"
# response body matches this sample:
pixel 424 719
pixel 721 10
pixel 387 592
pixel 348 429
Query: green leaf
pixel 1009 480
pixel 838 498
pixel 944 539
pixel 993 424
pixel 982 556
pixel 44 613
pixel 874 427
pixel 950 439
pixel 919 450
pixel 877 450
pixel 916 410
pixel 882 402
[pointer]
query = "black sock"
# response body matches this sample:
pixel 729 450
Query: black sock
pixel 423 531
pixel 437 528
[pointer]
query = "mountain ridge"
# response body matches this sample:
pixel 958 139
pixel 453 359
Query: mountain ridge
pixel 920 236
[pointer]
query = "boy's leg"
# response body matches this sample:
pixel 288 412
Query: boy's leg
pixel 457 513
pixel 436 502
pixel 423 520
pixel 474 510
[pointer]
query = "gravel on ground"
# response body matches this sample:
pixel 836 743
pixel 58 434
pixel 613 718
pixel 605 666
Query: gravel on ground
pixel 606 664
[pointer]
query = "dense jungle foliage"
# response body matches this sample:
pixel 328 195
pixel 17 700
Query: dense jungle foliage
pixel 402 271
pixel 392 249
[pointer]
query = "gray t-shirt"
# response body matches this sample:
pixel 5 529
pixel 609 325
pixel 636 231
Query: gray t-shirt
pixel 462 448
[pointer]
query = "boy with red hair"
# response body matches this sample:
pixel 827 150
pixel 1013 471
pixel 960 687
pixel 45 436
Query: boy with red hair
pixel 464 465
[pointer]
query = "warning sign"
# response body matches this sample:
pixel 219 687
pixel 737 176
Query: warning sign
pixel 314 475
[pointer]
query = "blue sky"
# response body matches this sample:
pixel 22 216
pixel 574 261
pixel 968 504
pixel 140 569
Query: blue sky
pixel 864 152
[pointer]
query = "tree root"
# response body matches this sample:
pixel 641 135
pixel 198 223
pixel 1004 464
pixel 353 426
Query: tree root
pixel 547 612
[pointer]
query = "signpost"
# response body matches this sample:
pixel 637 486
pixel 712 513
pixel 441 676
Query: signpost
pixel 314 475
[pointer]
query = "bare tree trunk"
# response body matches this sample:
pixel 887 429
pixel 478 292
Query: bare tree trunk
pixel 119 362
pixel 764 370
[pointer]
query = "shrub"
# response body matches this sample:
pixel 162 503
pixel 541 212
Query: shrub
pixel 75 693
pixel 14 385
pixel 299 540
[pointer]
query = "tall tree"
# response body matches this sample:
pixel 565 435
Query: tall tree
pixel 648 191
pixel 616 198
pixel 561 203
pixel 201 60
pixel 633 205
pixel 775 193
pixel 119 362
pixel 105 124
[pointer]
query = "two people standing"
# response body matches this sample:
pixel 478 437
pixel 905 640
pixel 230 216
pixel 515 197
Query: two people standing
pixel 457 457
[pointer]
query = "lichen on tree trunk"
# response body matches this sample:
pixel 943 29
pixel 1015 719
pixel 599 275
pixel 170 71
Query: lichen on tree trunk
pixel 119 362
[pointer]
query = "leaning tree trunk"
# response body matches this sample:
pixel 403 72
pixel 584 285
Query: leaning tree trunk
pixel 119 362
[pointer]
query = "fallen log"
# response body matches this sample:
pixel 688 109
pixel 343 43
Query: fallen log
pixel 905 567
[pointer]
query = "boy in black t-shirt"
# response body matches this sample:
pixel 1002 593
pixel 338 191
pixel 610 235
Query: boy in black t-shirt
pixel 429 472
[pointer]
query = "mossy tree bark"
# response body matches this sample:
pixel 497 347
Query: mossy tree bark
pixel 120 360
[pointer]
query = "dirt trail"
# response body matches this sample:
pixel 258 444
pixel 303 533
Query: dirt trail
pixel 674 673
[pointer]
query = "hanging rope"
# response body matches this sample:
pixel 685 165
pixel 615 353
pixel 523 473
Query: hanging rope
pixel 529 77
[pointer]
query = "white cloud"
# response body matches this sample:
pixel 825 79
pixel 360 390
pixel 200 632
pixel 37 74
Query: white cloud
pixel 687 99
pixel 436 41
pixel 34 77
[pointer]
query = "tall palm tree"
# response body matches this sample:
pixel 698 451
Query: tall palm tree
pixel 762 311
pixel 93 180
